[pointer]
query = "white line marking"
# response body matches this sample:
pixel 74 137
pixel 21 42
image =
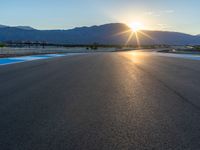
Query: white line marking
pixel 14 60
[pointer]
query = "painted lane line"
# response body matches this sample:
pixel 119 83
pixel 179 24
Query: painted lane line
pixel 13 60
pixel 9 61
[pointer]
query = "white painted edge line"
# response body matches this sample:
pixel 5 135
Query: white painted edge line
pixel 35 57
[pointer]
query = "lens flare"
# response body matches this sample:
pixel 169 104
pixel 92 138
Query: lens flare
pixel 136 26
pixel 135 34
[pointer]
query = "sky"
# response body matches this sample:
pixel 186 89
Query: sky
pixel 170 15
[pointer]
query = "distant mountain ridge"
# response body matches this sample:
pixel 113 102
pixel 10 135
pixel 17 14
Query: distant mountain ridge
pixel 3 26
pixel 19 27
pixel 110 34
pixel 24 27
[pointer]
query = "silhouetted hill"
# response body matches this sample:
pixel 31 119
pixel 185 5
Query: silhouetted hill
pixel 25 27
pixel 19 27
pixel 104 34
pixel 3 26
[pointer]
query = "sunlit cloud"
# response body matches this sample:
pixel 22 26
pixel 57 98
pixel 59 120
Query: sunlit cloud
pixel 150 13
pixel 168 11
pixel 158 13
pixel 163 26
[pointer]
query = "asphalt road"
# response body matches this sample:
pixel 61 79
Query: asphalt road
pixel 103 101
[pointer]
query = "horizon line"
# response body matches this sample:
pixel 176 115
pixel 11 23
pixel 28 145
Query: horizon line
pixel 88 26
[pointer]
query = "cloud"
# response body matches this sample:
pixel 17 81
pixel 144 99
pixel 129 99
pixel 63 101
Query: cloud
pixel 168 11
pixel 163 26
pixel 151 13
pixel 158 13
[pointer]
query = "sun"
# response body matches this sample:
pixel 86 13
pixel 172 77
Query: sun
pixel 136 26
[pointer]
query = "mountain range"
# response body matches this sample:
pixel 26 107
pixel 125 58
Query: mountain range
pixel 108 34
